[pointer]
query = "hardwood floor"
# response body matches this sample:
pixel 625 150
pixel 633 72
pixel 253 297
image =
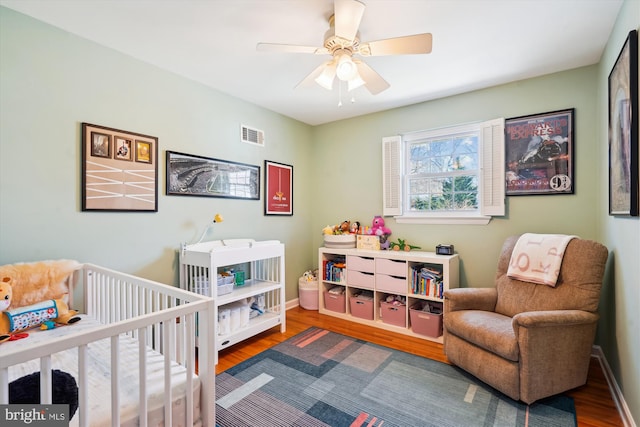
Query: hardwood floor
pixel 594 404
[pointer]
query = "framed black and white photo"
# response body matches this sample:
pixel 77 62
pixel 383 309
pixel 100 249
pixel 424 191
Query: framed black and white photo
pixel 192 175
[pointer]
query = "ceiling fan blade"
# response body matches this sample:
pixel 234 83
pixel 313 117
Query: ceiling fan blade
pixel 322 75
pixel 292 48
pixel 373 81
pixel 347 17
pixel 407 45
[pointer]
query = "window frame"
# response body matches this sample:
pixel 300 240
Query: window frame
pixel 491 170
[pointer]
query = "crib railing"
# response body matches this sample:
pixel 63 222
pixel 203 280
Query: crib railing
pixel 164 318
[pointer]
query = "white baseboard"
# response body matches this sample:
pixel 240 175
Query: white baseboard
pixel 616 393
pixel 292 304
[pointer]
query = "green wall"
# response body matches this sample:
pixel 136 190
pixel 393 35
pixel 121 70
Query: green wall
pixel 52 81
pixel 352 148
pixel 618 329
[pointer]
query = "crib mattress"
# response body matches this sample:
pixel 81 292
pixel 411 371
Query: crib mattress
pixel 99 381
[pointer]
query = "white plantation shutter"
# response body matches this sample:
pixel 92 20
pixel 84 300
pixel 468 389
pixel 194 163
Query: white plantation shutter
pixel 391 175
pixel 492 174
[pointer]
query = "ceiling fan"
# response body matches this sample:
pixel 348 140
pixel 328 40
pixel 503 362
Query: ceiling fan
pixel 342 42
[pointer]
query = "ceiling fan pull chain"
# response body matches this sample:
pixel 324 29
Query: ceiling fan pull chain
pixel 339 93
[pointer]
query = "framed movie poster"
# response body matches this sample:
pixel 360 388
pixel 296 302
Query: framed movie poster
pixel 278 193
pixel 539 154
pixel 118 175
pixel 623 130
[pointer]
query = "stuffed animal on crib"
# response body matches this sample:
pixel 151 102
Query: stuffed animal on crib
pixel 378 229
pixel 14 320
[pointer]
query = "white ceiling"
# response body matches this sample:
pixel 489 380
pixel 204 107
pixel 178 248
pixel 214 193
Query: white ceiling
pixel 476 44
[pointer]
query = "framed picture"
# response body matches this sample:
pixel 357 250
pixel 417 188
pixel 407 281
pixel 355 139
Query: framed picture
pixel 143 152
pixel 278 188
pixel 623 130
pixel 123 148
pixel 539 154
pixel 100 145
pixel 108 182
pixel 191 175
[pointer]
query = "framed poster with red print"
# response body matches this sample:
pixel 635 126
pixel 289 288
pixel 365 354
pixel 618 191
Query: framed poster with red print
pixel 278 188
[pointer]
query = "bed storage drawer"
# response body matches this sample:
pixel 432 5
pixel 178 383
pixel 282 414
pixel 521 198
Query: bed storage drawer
pixel 360 263
pixel 391 267
pixel 360 279
pixel 396 285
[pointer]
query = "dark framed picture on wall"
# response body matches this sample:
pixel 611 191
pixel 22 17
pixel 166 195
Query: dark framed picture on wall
pixel 539 154
pixel 192 175
pixel 111 184
pixel 278 188
pixel 623 130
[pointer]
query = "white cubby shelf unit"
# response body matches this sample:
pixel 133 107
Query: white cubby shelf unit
pixel 262 263
pixel 355 283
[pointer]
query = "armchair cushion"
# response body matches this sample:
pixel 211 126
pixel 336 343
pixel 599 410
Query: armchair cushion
pixel 488 330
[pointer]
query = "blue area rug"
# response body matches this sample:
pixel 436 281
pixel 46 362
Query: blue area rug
pixel 321 378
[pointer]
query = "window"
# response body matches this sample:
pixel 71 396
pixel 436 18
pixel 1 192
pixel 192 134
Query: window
pixel 448 175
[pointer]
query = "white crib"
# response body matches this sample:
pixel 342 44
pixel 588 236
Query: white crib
pixel 143 335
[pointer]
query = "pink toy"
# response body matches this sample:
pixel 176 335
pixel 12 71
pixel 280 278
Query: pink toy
pixel 378 229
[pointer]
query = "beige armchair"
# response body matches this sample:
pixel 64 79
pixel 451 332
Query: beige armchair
pixel 528 340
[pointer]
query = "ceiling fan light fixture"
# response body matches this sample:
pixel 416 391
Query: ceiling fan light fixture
pixel 345 69
pixel 325 79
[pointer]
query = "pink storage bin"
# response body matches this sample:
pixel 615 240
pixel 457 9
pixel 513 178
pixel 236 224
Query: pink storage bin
pixel 393 314
pixel 334 302
pixel 425 323
pixel 361 308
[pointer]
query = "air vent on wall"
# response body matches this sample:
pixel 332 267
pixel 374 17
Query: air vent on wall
pixel 251 135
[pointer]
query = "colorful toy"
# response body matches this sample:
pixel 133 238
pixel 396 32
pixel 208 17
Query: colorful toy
pixel 379 229
pixel 327 230
pixel 344 227
pixel 15 320
pixel 401 245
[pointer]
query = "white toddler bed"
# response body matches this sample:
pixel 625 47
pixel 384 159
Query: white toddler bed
pixel 133 353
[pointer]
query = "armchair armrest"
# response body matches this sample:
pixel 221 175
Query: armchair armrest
pixel 555 348
pixel 470 299
pixel 533 319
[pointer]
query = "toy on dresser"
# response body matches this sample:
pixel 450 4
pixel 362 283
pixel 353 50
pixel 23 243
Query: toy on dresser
pixel 379 229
